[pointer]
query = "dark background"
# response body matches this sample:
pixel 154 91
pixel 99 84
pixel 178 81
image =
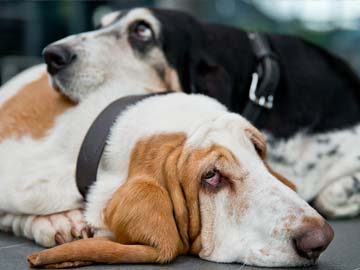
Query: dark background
pixel 26 27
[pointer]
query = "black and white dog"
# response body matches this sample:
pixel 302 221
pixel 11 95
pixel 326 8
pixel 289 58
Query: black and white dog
pixel 307 101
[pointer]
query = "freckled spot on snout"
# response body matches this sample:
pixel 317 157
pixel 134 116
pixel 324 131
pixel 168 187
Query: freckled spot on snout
pixel 289 222
pixel 265 251
pixel 312 221
pixel 275 233
pixel 238 205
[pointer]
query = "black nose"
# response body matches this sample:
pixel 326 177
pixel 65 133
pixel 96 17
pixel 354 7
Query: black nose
pixel 314 240
pixel 57 57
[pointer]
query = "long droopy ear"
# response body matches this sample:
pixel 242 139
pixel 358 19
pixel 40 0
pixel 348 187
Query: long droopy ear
pixel 260 145
pixel 140 214
pixel 141 211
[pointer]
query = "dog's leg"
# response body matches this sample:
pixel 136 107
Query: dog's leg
pixel 37 179
pixel 39 196
pixel 341 198
pixel 47 230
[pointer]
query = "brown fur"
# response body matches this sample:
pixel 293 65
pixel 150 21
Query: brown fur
pixel 83 252
pixel 32 111
pixel 155 214
pixel 141 210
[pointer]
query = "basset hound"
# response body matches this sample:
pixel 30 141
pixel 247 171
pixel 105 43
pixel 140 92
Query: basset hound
pixel 179 174
pixel 310 118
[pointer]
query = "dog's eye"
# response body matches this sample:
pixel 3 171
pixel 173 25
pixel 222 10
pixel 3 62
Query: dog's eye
pixel 142 31
pixel 212 178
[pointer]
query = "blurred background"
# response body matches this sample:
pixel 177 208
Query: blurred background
pixel 26 27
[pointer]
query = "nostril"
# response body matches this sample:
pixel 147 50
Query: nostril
pixel 57 57
pixel 311 254
pixel 313 241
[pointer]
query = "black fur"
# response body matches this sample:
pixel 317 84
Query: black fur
pixel 318 92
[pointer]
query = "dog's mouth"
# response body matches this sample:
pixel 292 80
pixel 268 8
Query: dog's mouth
pixel 60 87
pixel 57 85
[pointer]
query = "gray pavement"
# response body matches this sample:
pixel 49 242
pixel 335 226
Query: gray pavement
pixel 342 254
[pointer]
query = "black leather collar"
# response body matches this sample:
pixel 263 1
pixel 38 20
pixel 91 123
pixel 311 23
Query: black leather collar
pixel 95 141
pixel 265 79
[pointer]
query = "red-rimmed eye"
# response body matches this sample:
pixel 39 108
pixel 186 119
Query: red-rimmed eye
pixel 213 178
pixel 142 31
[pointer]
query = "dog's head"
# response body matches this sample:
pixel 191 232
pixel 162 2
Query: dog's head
pixel 208 193
pixel 213 194
pixel 124 51
pixel 156 49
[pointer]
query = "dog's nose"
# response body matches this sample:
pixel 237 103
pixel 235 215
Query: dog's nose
pixel 57 57
pixel 313 240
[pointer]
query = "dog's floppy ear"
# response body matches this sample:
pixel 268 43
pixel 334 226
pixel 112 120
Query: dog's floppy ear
pixel 257 139
pixel 260 145
pixel 140 214
pixel 210 78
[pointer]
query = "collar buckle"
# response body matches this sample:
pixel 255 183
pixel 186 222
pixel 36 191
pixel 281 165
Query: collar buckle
pixel 262 101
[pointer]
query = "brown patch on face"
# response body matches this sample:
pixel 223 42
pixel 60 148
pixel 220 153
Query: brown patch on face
pixel 32 111
pixel 158 205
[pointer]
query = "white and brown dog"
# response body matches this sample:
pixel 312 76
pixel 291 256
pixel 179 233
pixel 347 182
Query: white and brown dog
pixel 180 174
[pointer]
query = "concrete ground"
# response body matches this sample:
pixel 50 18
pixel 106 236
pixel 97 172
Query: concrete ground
pixel 342 254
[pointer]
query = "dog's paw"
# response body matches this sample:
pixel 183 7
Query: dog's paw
pixel 340 199
pixel 56 229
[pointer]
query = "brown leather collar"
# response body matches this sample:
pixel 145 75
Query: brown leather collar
pixel 95 141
